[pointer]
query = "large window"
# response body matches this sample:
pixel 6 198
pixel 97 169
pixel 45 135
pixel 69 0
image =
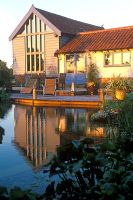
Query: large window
pixel 121 58
pixel 35 38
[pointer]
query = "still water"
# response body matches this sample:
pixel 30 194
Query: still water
pixel 29 137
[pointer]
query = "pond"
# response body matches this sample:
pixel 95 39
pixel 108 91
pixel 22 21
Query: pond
pixel 29 137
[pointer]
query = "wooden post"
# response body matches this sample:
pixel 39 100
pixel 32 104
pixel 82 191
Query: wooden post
pixel 101 95
pixel 34 93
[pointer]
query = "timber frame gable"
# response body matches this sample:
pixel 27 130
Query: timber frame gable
pixel 33 10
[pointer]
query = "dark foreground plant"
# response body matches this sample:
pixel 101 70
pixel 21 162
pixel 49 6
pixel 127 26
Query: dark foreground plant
pixel 97 172
pixel 4 96
pixel 102 172
pixel 16 194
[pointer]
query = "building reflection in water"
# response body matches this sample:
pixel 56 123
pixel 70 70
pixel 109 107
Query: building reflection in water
pixel 39 130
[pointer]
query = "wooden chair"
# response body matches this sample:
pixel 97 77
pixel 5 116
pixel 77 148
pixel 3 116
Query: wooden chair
pixel 49 87
pixel 29 86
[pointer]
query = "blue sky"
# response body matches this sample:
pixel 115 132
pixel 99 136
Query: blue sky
pixel 110 13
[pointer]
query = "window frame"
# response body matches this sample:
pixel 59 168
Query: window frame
pixel 33 48
pixel 113 53
pixel 78 56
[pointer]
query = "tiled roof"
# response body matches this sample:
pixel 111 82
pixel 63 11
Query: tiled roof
pixel 67 25
pixel 109 39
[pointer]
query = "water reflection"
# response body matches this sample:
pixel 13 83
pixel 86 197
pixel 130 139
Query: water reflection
pixel 39 130
pixel 2 132
pixel 4 108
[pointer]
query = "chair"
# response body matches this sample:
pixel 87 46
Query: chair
pixel 31 83
pixel 61 81
pixel 49 87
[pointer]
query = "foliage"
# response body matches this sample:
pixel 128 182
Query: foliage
pixel 4 96
pixel 121 83
pixel 93 73
pixel 92 84
pixel 104 115
pixel 97 172
pixel 6 75
pixel 16 194
pixel 113 110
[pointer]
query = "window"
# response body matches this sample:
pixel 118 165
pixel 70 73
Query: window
pixel 28 63
pixel 34 44
pixel 80 63
pixel 32 63
pixel 126 58
pixel 70 63
pixel 117 58
pixel 37 43
pixel 28 43
pixel 42 61
pixel 37 62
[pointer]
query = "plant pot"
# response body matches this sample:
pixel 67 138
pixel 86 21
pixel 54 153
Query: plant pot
pixel 120 94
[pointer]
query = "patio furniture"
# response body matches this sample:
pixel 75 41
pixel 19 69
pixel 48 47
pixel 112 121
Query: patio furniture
pixel 29 86
pixel 61 81
pixel 50 86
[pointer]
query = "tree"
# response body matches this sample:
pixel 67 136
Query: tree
pixel 6 75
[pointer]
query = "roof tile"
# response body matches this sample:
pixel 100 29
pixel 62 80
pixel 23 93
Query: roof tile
pixel 107 39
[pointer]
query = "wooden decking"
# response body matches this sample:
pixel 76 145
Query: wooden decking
pixel 84 101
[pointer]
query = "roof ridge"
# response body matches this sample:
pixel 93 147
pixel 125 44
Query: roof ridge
pixel 105 30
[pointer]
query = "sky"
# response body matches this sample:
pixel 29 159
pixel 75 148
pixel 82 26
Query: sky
pixel 109 13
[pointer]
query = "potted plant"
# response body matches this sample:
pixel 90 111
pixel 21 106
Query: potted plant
pixel 92 78
pixel 119 86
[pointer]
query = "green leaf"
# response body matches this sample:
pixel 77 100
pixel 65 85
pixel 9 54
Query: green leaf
pixel 76 143
pixel 108 146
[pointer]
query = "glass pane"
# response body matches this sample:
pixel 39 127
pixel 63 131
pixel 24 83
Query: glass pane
pixel 117 58
pixel 32 25
pixel 70 63
pixel 42 27
pixel 32 43
pixel 28 27
pixel 42 62
pixel 28 44
pixel 37 62
pixel 28 62
pixel 80 63
pixel 126 58
pixel 37 43
pixel 37 25
pixel 108 59
pixel 32 63
pixel 42 43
